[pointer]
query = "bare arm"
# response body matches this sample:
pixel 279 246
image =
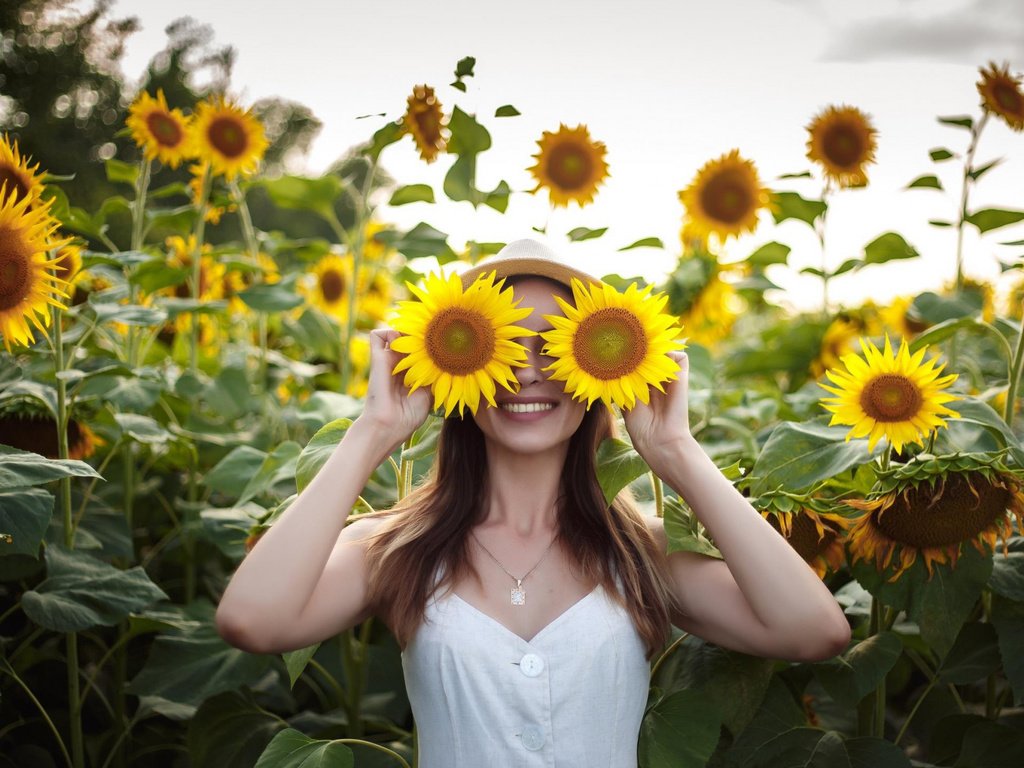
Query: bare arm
pixel 306 578
pixel 763 599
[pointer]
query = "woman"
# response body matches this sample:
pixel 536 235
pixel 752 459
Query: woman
pixel 527 608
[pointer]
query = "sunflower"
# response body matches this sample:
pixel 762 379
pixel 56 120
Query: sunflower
pixel 837 341
pixel 216 205
pixel 930 508
pixel 723 199
pixel 16 176
pixel 359 356
pixel 569 165
pixel 894 396
pixel 374 291
pixel 977 292
pixel 161 133
pixel 817 535
pixel 612 346
pixel 425 122
pixel 375 247
pixel 27 286
pixel 69 264
pixel 227 137
pixel 707 305
pixel 180 252
pixel 899 317
pixel 842 142
pixel 37 432
pixel 1001 93
pixel 328 286
pixel 459 342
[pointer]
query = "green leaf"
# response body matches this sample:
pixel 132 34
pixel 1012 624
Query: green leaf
pixel 228 527
pixel 318 450
pixel 980 171
pixel 680 731
pixel 424 240
pixel 867 752
pixel 498 198
pixel 888 247
pixel 184 669
pixel 803 748
pixel 24 516
pixel 991 745
pixel 1008 619
pixel 926 182
pixel 120 171
pixel 506 110
pixel 940 223
pixel 778 713
pixel 295 661
pixel 229 729
pixel 975 411
pixel 769 253
pixel 799 454
pixel 684 531
pixel 232 473
pixel 974 655
pixel 129 314
pixel 618 464
pixel 468 137
pixel 993 218
pixel 299 193
pixel 852 676
pixel 939 154
pixel 1007 575
pixel 384 137
pixel 413 193
pixel 21 468
pixel 277 467
pixel 142 429
pixel 959 121
pixel 81 592
pixel 272 297
pixel 789 205
pixel 647 242
pixel 292 749
pixel 582 233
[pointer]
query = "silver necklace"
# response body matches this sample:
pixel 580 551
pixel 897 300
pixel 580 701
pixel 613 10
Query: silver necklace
pixel 518 593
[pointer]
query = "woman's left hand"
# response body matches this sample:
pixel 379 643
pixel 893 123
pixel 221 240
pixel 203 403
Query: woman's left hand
pixel 664 424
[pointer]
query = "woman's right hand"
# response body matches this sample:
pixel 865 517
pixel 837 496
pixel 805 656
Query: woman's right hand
pixel 389 406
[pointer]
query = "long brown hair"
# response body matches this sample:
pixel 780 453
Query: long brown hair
pixel 426 533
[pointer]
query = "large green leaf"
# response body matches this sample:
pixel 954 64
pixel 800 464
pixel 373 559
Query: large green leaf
pixel 318 450
pixel 185 669
pixel 769 253
pixel 994 218
pixel 680 731
pixel 19 469
pixel 778 713
pixel 974 655
pixel 277 467
pixel 413 193
pixel 799 454
pixel 272 297
pixel 142 429
pixel 24 515
pixel 231 474
pixel 618 464
pixel 875 753
pixel 300 193
pixel 852 676
pixel 803 748
pixel 789 205
pixel 230 730
pixel 975 411
pixel 291 749
pixel 684 531
pixel 991 745
pixel 1008 576
pixel 1008 619
pixel 888 247
pixel 81 592
pixel 468 137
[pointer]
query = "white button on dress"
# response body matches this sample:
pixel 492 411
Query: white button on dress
pixel 572 696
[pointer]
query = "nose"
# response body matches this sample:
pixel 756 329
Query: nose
pixel 531 372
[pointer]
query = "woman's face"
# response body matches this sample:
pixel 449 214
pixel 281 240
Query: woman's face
pixel 540 416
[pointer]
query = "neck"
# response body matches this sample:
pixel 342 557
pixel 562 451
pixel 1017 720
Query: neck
pixel 523 490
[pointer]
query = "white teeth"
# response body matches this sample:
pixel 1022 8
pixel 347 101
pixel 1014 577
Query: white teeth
pixel 526 407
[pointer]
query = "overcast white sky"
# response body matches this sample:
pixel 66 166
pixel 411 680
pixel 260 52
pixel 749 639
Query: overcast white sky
pixel 667 86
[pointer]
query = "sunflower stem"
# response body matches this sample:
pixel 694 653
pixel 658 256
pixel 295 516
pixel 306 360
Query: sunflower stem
pixel 659 495
pixel 913 711
pixel 1014 378
pixel 819 230
pixel 991 703
pixel 138 229
pixel 252 246
pixel 42 710
pixel 199 233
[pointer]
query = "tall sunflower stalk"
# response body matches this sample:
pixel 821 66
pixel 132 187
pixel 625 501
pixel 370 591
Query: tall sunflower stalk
pixel 252 249
pixel 199 234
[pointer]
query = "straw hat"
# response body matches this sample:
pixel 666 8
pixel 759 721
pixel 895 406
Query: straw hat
pixel 527 257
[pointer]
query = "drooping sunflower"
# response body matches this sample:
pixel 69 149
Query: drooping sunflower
pixel 930 508
pixel 37 432
pixel 569 165
pixel 459 342
pixel 17 177
pixel 227 137
pixel 896 396
pixel 27 287
pixel 612 346
pixel 817 535
pixel 1001 94
pixel 425 122
pixel 723 199
pixel 327 288
pixel 842 141
pixel 161 133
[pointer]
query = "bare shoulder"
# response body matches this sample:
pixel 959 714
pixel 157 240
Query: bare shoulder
pixel 364 527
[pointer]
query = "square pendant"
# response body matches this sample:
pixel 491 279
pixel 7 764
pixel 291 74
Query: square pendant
pixel 518 596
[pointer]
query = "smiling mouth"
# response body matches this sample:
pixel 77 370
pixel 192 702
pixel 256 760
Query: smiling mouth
pixel 526 407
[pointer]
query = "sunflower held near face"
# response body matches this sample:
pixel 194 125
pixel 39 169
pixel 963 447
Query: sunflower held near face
pixel 842 141
pixel 896 396
pixel 569 165
pixel 425 122
pixel 1001 94
pixel 612 346
pixel 723 199
pixel 227 137
pixel 161 133
pixel 460 342
pixel 17 178
pixel 27 287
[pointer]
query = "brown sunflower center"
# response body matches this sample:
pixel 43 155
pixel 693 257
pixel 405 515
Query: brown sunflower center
pixel 726 198
pixel 15 268
pixel 891 397
pixel 609 343
pixel 12 181
pixel 332 285
pixel 460 341
pixel 803 536
pixel 843 145
pixel 228 137
pixel 62 269
pixel 956 510
pixel 569 166
pixel 165 129
pixel 1007 96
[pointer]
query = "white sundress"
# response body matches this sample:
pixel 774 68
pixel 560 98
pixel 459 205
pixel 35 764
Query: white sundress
pixel 571 697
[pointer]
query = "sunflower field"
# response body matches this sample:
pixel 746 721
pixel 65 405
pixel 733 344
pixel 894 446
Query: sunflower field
pixel 167 390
